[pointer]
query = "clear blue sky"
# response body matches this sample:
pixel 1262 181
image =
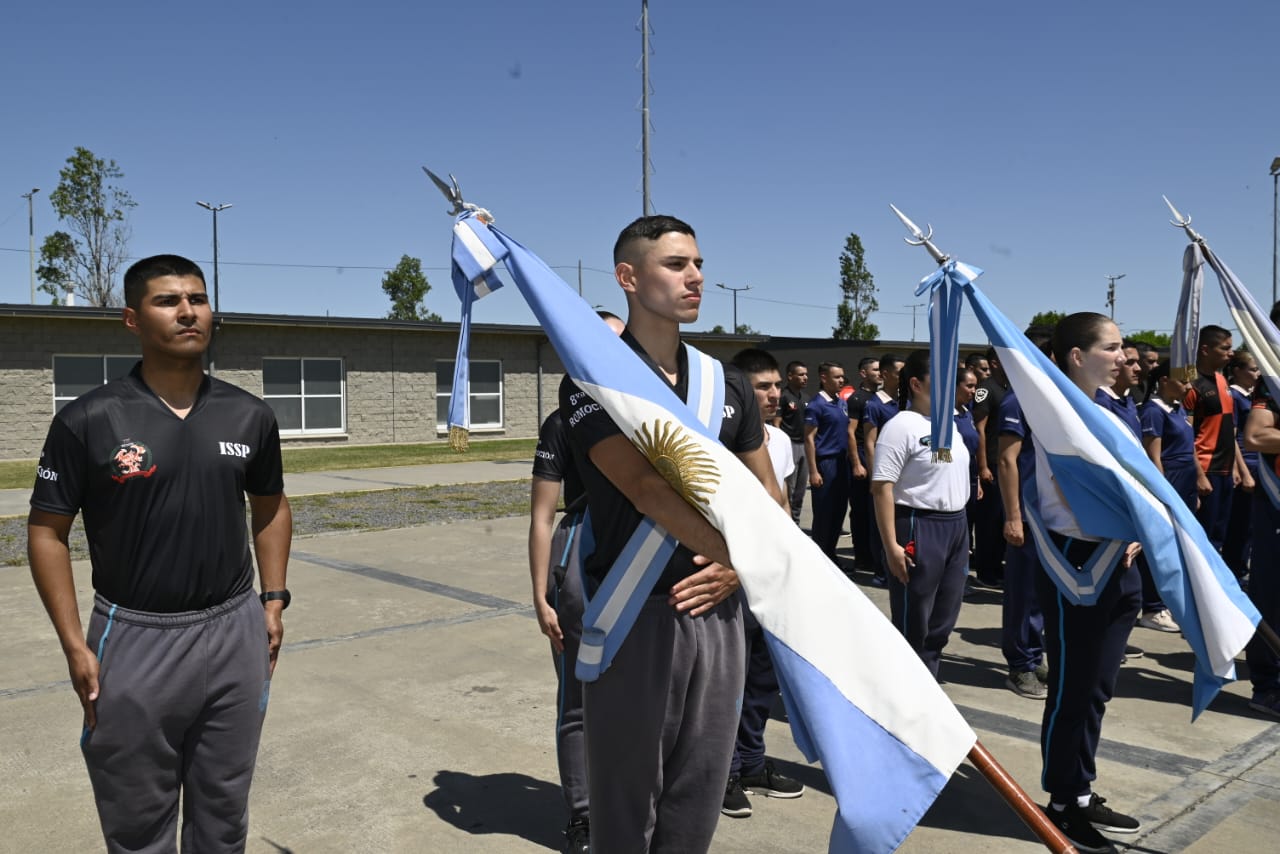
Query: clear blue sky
pixel 1036 138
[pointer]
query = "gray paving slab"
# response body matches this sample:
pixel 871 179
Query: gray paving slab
pixel 413 707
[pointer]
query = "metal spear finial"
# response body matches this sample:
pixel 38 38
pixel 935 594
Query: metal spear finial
pixel 453 194
pixel 1182 222
pixel 921 239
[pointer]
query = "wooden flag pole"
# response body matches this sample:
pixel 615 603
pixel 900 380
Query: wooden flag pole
pixel 1030 813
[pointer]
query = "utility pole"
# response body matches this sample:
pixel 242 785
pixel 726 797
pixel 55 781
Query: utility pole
pixel 735 302
pixel 644 104
pixel 31 238
pixel 214 332
pixel 1111 292
pixel 1275 221
pixel 913 308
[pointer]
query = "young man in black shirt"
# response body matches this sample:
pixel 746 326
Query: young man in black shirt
pixel 661 720
pixel 791 419
pixel 175 671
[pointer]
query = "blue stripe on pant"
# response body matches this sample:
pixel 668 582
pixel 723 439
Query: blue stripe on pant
pixel 1085 645
pixel 926 608
pixel 830 502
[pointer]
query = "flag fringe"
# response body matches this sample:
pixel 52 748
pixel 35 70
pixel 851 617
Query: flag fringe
pixel 459 439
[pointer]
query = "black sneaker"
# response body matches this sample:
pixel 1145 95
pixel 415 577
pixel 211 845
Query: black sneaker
pixel 1131 652
pixel 1076 827
pixel 1105 818
pixel 771 784
pixel 735 804
pixel 577 837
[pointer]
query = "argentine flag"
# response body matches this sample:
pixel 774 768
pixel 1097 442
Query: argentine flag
pixel 1116 492
pixel 857 697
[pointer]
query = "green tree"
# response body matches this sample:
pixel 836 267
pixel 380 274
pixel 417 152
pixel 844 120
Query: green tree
pixel 1155 339
pixel 407 286
pixel 86 258
pixel 1047 318
pixel 859 295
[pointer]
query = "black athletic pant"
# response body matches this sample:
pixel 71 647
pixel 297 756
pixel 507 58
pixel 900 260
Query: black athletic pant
pixel 988 534
pixel 566 597
pixel 1085 646
pixel 757 699
pixel 1264 591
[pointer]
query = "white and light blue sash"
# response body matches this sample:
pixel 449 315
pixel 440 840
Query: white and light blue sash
pixel 1081 586
pixel 613 608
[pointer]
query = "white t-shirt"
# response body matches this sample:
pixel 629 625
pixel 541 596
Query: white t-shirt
pixel 904 458
pixel 780 453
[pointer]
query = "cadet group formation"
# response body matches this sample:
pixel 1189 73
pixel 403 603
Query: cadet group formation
pixel 660 729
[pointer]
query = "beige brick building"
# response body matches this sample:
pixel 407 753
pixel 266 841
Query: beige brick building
pixel 330 380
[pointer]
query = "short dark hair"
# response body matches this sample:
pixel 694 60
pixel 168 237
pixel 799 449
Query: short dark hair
pixel 793 364
pixel 607 315
pixel 825 367
pixel 142 272
pixel 865 361
pixel 1142 347
pixel 972 360
pixel 1041 337
pixel 889 359
pixel 1159 372
pixel 753 360
pixel 647 228
pixel 916 367
pixel 1211 336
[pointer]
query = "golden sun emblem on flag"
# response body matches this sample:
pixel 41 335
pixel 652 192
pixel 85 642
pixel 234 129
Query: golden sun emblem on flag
pixel 681 462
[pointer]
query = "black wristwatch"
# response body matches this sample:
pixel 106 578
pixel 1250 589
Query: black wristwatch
pixel 272 595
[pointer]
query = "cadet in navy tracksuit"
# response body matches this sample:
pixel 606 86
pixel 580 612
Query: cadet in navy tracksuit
pixel 1242 374
pixel 1086 643
pixel 1262 434
pixel 920 510
pixel 826 441
pixel 1167 434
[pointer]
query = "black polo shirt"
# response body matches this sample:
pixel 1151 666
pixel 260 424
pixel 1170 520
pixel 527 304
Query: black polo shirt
pixel 613 518
pixel 163 496
pixel 791 406
pixel 857 408
pixel 553 460
pixel 986 405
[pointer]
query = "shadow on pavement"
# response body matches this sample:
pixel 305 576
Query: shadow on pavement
pixel 968 804
pixel 508 804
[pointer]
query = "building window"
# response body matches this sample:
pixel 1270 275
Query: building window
pixel 308 395
pixel 486 395
pixel 75 375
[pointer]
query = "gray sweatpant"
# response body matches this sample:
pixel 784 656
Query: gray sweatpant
pixel 660 726
pixel 180 708
pixel 566 597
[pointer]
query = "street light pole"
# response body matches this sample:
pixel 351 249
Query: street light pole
pixel 214 209
pixel 31 238
pixel 735 303
pixel 1275 221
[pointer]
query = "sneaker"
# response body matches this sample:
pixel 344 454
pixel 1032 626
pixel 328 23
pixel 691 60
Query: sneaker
pixel 1078 830
pixel 735 803
pixel 771 784
pixel 879 581
pixel 577 837
pixel 1025 684
pixel 1267 703
pixel 1105 818
pixel 987 583
pixel 1132 652
pixel 1161 621
pixel 1042 672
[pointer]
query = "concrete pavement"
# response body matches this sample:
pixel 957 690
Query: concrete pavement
pixel 413 707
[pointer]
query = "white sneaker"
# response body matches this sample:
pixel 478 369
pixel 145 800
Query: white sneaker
pixel 1161 621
